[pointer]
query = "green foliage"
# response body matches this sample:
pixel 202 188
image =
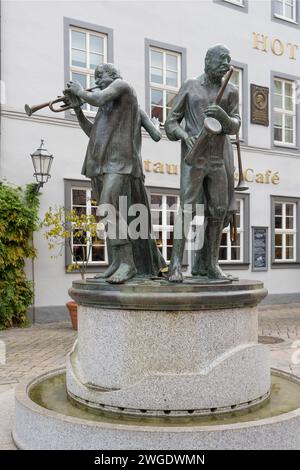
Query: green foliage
pixel 69 226
pixel 18 220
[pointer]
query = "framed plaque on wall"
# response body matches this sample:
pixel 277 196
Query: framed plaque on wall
pixel 260 249
pixel 259 105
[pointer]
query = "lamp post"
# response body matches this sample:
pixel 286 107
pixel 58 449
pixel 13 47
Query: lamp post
pixel 42 162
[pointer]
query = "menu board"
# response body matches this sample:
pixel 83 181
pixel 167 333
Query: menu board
pixel 259 248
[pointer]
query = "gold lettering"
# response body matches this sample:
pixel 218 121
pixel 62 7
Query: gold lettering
pixel 147 164
pixel 158 167
pixel 172 169
pixel 275 178
pixel 259 178
pixel 257 42
pixel 246 176
pixel 274 48
pixel 267 176
pixel 293 50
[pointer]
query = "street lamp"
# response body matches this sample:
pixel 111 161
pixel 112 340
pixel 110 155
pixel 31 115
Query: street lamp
pixel 42 161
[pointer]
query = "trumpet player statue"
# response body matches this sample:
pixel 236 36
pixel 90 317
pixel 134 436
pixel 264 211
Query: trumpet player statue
pixel 113 162
pixel 209 176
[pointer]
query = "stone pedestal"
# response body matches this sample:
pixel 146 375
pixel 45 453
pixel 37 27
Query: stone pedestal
pixel 157 348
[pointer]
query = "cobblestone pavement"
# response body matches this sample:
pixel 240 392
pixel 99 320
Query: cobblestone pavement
pixel 34 350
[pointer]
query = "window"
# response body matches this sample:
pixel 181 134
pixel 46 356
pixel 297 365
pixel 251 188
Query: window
pixel 165 81
pixel 163 211
pixel 237 81
pixel 284 112
pixel 233 252
pixel 82 202
pixel 285 9
pixel 285 232
pixel 87 50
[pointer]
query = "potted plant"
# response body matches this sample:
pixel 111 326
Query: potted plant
pixel 68 226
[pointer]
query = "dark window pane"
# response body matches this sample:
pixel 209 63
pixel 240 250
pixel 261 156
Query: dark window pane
pixel 79 237
pixel 98 253
pixel 224 239
pixel 278 222
pixel 169 253
pixel 172 202
pixel 278 209
pixel 235 253
pixel 278 253
pixel 79 197
pixel 278 239
pixel 156 199
pixel 223 254
pixel 79 253
pixel 289 209
pixel 170 237
pixel 289 222
pixel 158 113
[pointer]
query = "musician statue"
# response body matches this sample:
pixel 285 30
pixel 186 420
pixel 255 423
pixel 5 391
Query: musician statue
pixel 113 162
pixel 211 114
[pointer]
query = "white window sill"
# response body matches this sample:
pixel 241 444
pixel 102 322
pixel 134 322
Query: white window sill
pixel 282 144
pixel 283 18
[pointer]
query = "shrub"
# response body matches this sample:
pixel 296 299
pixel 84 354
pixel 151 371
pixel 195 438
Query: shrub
pixel 63 226
pixel 18 220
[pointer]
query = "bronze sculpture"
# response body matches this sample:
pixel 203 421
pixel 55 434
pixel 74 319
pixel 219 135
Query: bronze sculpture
pixel 113 162
pixel 209 178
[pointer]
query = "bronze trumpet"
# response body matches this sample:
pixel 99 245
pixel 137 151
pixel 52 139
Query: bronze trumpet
pixel 33 109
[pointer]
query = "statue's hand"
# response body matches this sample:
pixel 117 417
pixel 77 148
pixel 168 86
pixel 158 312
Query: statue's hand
pixel 71 99
pixel 74 87
pixel 190 141
pixel 218 113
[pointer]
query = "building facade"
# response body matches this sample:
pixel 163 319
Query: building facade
pixel 157 45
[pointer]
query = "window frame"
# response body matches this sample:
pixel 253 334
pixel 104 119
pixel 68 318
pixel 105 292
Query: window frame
pixel 164 87
pixel 244 264
pixel 86 71
pixel 70 184
pixel 275 264
pixel 276 144
pixel 164 227
pixel 293 20
pixel 150 43
pixel 90 28
pixel 244 94
pixel 284 112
